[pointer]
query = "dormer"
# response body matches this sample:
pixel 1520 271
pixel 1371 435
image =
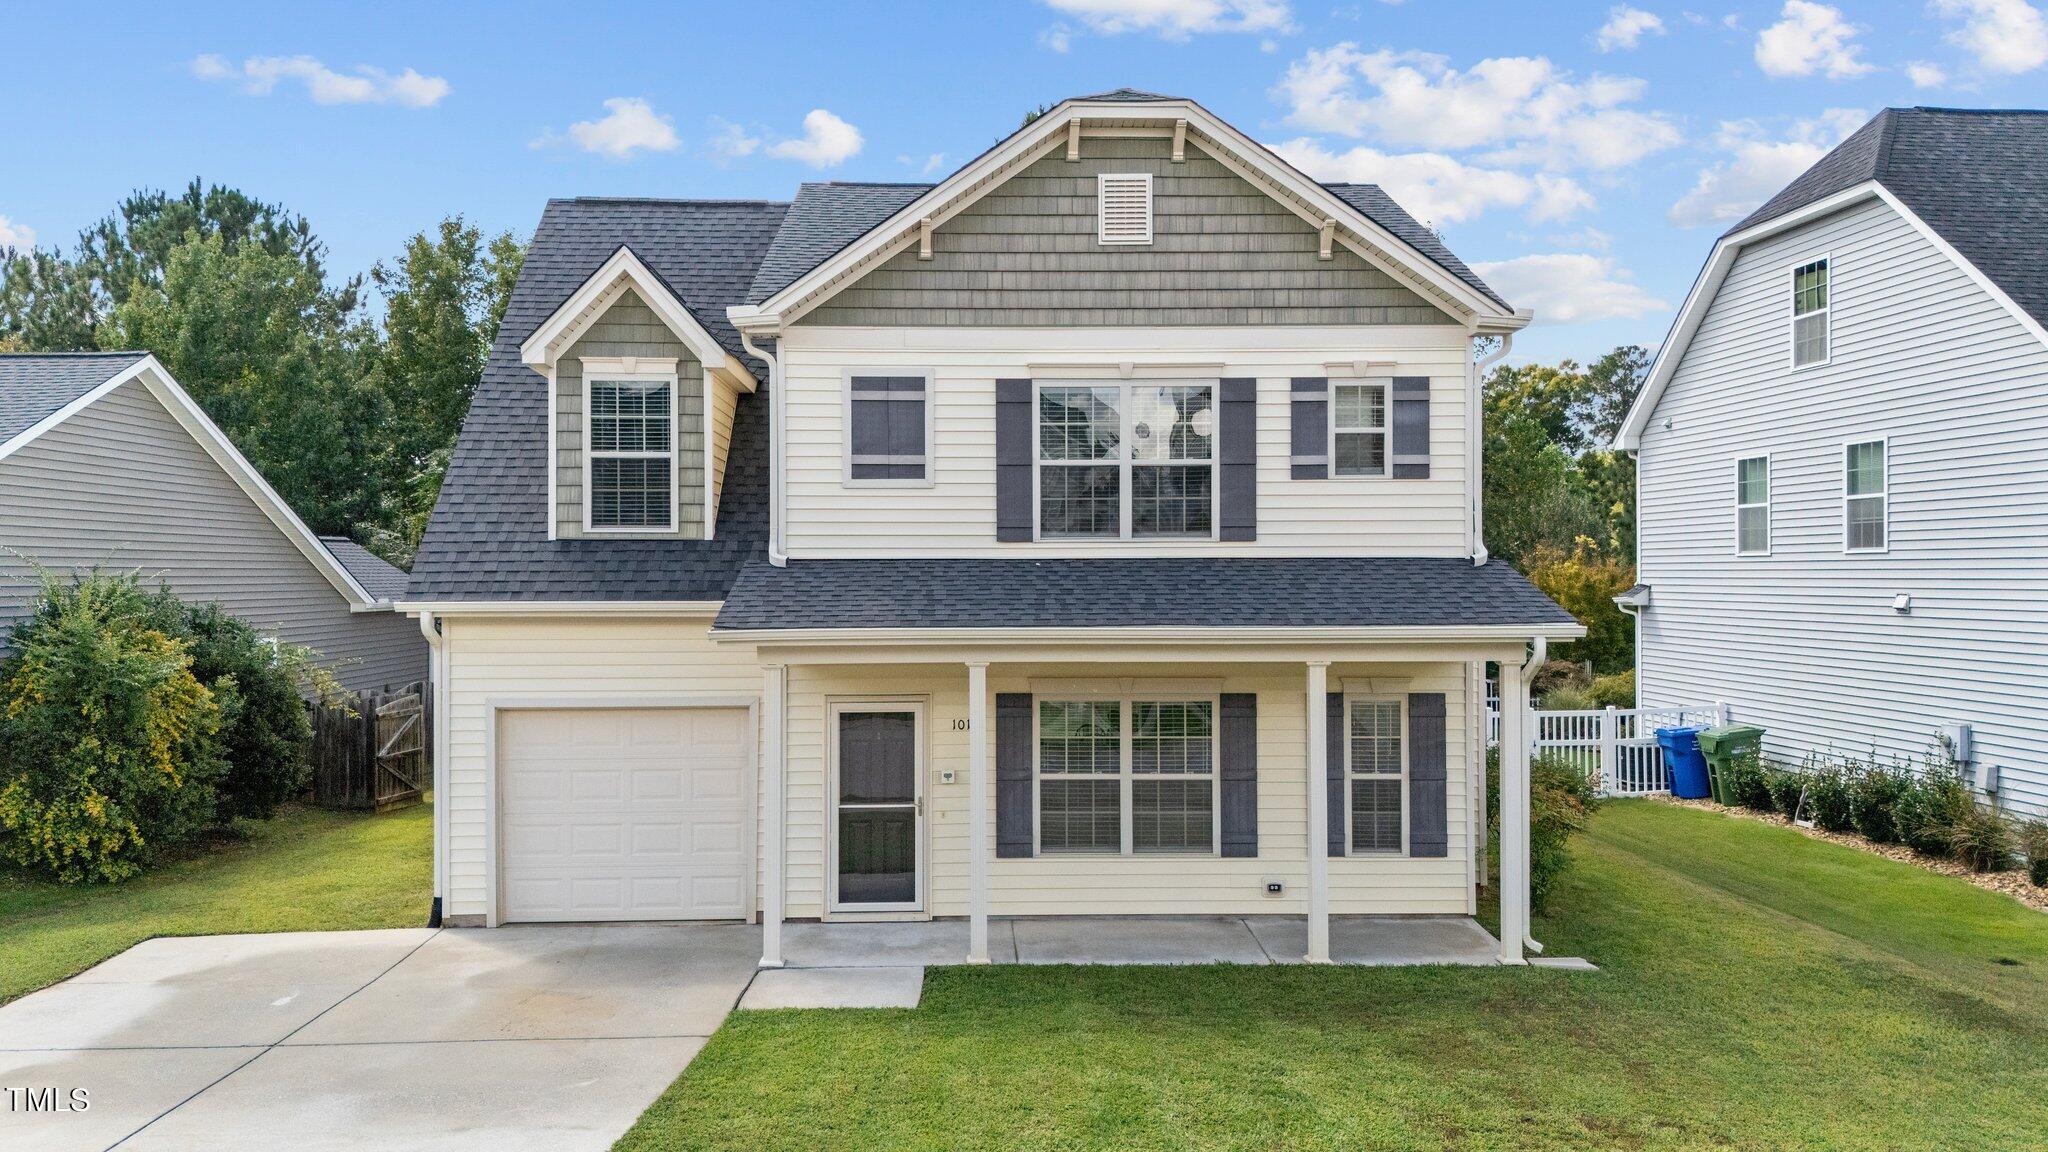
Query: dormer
pixel 641 399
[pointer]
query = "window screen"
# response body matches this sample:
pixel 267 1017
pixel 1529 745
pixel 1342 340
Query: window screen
pixel 1810 311
pixel 1753 505
pixel 1865 496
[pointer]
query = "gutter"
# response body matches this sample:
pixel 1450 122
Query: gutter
pixel 776 555
pixel 1477 446
pixel 437 685
pixel 1539 651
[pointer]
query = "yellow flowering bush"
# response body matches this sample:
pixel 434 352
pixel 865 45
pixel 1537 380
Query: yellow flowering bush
pixel 109 747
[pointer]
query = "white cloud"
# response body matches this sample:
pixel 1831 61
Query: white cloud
pixel 1759 165
pixel 14 235
pixel 260 76
pixel 926 166
pixel 1810 38
pixel 2004 35
pixel 827 140
pixel 1177 19
pixel 1439 189
pixel 1527 108
pixel 1059 38
pixel 732 142
pixel 1925 75
pixel 630 125
pixel 1570 287
pixel 1626 27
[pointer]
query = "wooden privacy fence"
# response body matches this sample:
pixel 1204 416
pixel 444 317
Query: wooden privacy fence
pixel 1616 747
pixel 373 752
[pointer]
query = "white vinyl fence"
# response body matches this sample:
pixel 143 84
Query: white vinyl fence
pixel 1616 747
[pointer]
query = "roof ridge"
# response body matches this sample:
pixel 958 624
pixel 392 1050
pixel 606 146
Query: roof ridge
pixel 677 200
pixel 1880 162
pixel 53 355
pixel 1972 111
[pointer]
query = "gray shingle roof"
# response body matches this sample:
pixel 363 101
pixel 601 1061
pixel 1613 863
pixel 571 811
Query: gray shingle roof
pixel 488 535
pixel 1223 592
pixel 33 386
pixel 1126 96
pixel 1979 178
pixel 828 216
pixel 379 577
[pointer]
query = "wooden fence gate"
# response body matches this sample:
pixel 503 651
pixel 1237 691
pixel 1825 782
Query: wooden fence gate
pixel 373 753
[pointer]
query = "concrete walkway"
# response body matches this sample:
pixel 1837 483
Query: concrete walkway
pixel 542 1037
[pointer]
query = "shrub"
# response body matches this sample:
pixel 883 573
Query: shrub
pixel 1561 799
pixel 1615 691
pixel 1787 787
pixel 1556 674
pixel 260 685
pixel 1874 790
pixel 109 745
pixel 2033 840
pixel 1827 796
pixel 1982 838
pixel 1750 785
pixel 1568 698
pixel 1932 803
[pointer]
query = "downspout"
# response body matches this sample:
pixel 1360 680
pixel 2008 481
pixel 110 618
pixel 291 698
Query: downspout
pixel 437 684
pixel 1538 653
pixel 775 554
pixel 1477 445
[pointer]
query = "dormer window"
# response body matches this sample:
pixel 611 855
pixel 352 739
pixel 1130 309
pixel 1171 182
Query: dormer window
pixel 1124 208
pixel 632 452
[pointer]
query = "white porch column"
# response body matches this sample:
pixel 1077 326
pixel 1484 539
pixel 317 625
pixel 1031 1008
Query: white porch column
pixel 977 812
pixel 1514 812
pixel 1318 725
pixel 774 682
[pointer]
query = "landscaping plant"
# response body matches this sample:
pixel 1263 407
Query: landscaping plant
pixel 109 746
pixel 1931 804
pixel 1561 800
pixel 1786 787
pixel 1749 785
pixel 1874 791
pixel 2033 840
pixel 1827 796
pixel 1983 838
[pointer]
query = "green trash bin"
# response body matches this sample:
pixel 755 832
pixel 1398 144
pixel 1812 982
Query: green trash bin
pixel 1722 747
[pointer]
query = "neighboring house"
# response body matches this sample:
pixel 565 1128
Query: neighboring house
pixel 1842 453
pixel 106 463
pixel 1095 531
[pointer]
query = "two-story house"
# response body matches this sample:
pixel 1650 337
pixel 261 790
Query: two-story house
pixel 1092 532
pixel 1842 454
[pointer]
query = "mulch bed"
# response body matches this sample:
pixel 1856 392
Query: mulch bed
pixel 2013 883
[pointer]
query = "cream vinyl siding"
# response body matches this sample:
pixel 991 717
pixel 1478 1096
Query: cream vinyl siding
pixel 123 487
pixel 614 661
pixel 725 399
pixel 1804 641
pixel 956 514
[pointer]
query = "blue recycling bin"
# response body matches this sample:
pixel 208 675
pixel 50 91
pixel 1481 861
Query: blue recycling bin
pixel 1685 763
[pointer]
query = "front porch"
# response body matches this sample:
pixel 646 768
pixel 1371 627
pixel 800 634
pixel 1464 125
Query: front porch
pixel 1272 939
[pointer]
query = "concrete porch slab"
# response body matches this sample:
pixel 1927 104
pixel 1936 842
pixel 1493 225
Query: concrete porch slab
pixel 835 988
pixel 1564 963
pixel 886 944
pixel 1382 939
pixel 1137 940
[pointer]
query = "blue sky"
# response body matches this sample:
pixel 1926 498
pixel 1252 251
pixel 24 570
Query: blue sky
pixel 1583 155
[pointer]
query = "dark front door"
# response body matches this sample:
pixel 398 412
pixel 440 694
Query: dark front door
pixel 879 809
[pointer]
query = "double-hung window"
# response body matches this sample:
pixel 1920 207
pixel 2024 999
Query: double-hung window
pixel 1126 460
pixel 1865 496
pixel 1810 311
pixel 631 483
pixel 1358 429
pixel 888 429
pixel 1753 506
pixel 1376 775
pixel 1127 776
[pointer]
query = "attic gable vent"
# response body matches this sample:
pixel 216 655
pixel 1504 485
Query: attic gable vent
pixel 1124 207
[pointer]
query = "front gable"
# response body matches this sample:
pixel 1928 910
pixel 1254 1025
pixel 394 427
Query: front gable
pixel 1222 252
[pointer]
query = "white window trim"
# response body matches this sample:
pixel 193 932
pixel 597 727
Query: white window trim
pixel 1102 217
pixel 1407 752
pixel 1386 430
pixel 1793 315
pixel 1126 754
pixel 931 455
pixel 1766 505
pixel 1125 463
pixel 834 707
pixel 1884 493
pixel 640 373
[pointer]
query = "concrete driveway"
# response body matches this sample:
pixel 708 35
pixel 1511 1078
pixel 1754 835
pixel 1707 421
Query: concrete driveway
pixel 541 1037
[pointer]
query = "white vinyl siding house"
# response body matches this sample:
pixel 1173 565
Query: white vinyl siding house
pixel 1905 455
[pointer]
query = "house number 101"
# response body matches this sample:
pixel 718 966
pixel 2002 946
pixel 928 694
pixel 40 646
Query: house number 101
pixel 959 725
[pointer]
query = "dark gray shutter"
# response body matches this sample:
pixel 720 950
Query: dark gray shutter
pixel 1237 457
pixel 1411 428
pixel 1335 744
pixel 1014 453
pixel 1309 428
pixel 1014 815
pixel 1428 822
pixel 1237 730
pixel 886 440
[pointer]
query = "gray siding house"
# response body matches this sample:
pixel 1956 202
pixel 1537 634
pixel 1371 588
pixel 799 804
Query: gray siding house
pixel 106 462
pixel 1842 453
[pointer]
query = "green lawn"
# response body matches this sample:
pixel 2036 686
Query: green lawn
pixel 306 870
pixel 1759 990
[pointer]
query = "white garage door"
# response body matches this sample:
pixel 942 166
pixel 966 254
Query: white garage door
pixel 624 813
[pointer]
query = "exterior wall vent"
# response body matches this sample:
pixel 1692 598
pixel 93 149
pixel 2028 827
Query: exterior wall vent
pixel 1124 207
